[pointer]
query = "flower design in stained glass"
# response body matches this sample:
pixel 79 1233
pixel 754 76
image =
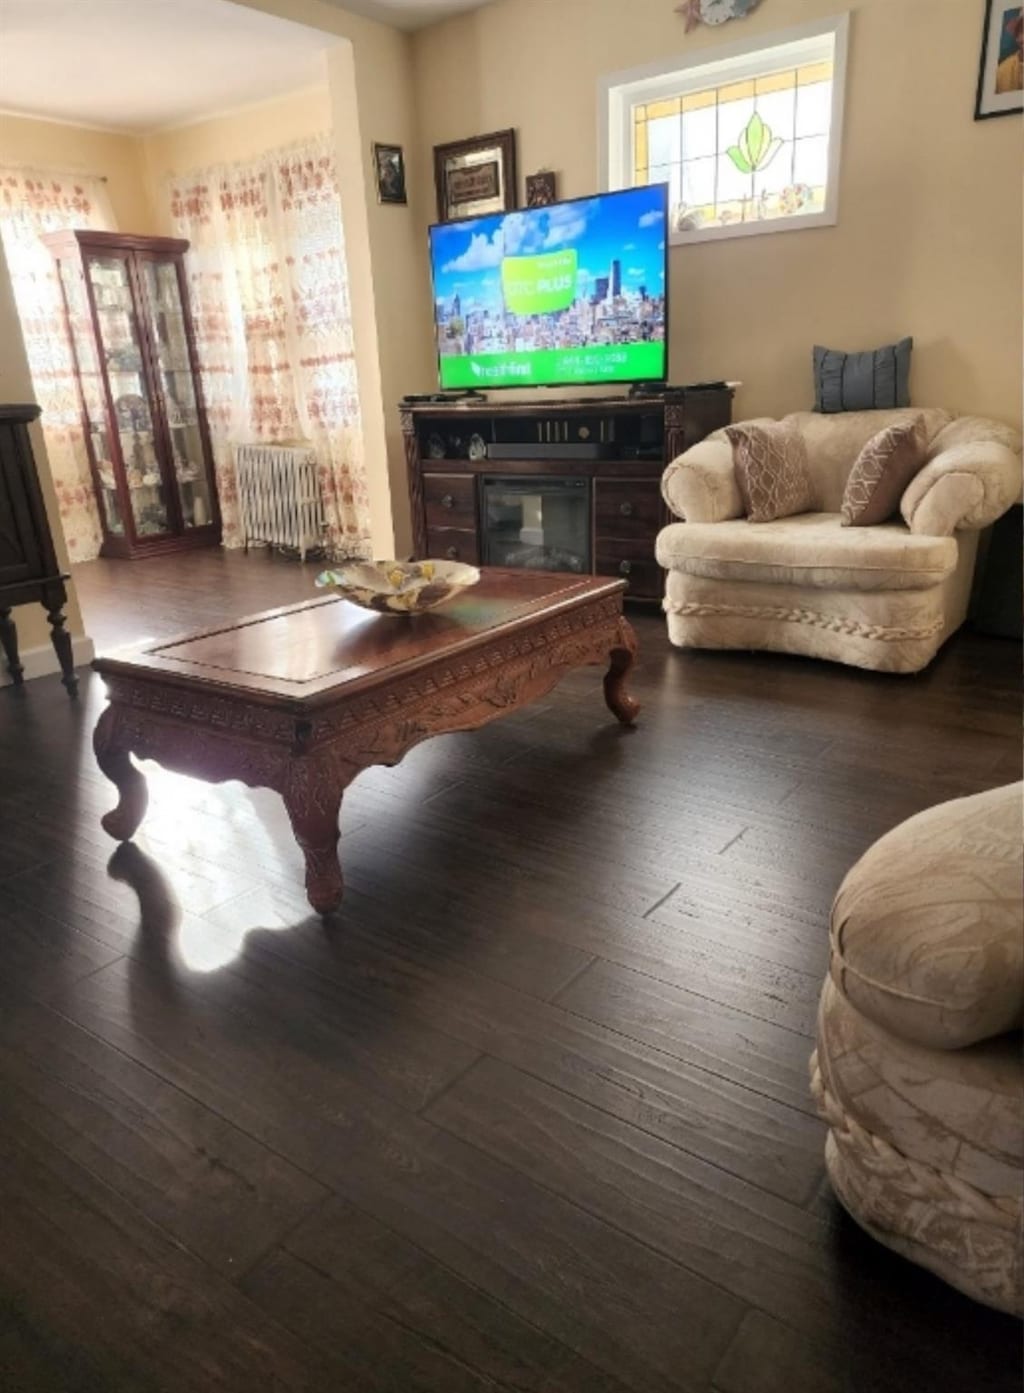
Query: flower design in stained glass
pixel 756 146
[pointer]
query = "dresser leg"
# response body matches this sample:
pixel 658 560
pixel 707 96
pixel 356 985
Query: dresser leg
pixel 9 642
pixel 9 638
pixel 62 647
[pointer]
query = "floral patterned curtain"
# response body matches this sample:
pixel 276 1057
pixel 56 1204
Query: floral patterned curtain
pixel 33 202
pixel 269 293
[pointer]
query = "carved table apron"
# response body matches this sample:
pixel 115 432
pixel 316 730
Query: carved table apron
pixel 192 706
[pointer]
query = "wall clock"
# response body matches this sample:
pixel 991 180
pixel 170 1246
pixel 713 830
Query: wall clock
pixel 714 11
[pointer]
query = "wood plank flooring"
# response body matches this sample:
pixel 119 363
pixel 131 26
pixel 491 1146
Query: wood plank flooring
pixel 531 1112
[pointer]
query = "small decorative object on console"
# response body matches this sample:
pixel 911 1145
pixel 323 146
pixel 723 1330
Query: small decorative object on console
pixel 400 587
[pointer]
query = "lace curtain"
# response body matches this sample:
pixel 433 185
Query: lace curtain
pixel 33 202
pixel 269 293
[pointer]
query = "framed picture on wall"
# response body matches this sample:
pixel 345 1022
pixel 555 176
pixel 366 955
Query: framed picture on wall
pixel 540 189
pixel 389 168
pixel 475 176
pixel 1001 72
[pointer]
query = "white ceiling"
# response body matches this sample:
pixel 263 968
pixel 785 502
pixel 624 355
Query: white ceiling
pixel 409 14
pixel 137 65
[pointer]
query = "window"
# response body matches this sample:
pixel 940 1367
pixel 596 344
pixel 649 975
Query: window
pixel 746 136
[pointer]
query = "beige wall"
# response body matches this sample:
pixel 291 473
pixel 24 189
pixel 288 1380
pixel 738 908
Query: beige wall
pixel 16 386
pixel 371 82
pixel 77 149
pixel 236 135
pixel 929 235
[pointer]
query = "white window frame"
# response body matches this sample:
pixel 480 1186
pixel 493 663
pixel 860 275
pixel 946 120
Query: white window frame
pixel 619 92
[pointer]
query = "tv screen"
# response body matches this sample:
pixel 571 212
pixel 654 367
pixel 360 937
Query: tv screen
pixel 572 293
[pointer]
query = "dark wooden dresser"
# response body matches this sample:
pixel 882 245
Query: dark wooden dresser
pixel 28 562
pixel 560 485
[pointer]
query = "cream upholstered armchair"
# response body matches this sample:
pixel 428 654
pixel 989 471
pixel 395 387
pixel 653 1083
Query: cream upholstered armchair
pixel 918 1068
pixel 884 597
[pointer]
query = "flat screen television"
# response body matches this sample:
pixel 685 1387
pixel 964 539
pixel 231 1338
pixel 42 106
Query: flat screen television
pixel 570 294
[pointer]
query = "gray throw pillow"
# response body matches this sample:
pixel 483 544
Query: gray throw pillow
pixel 874 381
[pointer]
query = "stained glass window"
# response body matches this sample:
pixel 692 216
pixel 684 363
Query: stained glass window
pixel 743 142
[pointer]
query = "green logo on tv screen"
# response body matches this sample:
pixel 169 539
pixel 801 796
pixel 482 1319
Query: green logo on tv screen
pixel 541 284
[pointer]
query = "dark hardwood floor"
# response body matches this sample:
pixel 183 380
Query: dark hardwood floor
pixel 531 1112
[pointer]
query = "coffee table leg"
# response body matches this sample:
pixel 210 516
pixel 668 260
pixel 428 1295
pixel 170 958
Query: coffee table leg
pixel 115 761
pixel 313 813
pixel 622 657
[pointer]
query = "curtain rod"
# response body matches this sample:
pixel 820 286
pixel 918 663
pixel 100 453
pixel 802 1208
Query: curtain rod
pixel 32 167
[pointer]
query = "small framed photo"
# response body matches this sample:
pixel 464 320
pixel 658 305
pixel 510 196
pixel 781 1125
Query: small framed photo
pixel 540 189
pixel 1001 73
pixel 389 167
pixel 475 176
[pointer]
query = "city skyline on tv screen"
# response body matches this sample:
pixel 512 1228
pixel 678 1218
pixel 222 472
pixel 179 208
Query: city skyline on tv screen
pixel 570 293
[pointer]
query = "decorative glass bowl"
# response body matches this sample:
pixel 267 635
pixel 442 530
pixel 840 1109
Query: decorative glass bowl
pixel 400 587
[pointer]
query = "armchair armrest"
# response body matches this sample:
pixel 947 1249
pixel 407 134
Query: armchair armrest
pixel 971 479
pixel 700 484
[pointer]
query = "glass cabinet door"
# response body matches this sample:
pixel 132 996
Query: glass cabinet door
pixel 167 317
pixel 90 376
pixel 121 350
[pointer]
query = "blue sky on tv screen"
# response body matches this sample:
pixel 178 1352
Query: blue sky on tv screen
pixel 628 227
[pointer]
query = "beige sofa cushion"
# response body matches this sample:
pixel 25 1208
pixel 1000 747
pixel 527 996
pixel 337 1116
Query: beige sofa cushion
pixel 926 927
pixel 813 549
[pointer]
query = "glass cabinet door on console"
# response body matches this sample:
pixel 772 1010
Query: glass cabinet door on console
pixel 141 401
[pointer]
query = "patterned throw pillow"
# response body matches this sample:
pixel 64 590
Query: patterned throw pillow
pixel 882 470
pixel 771 470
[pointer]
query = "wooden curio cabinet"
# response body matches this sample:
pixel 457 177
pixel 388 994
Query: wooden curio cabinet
pixel 138 381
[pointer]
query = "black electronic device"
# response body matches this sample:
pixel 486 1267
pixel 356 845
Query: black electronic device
pixel 440 398
pixel 560 449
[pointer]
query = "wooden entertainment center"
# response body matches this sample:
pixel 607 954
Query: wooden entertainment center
pixel 481 471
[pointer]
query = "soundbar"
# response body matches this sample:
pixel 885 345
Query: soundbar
pixel 576 449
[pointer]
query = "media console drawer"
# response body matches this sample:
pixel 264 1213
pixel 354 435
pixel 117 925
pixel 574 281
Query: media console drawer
pixel 633 561
pixel 453 544
pixel 627 507
pixel 450 500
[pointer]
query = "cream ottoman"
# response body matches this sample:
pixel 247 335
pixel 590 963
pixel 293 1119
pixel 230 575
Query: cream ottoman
pixel 918 1069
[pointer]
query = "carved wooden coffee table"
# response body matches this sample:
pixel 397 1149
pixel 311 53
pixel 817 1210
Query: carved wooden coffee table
pixel 303 699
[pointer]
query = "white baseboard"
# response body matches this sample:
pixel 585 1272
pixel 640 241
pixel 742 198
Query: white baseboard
pixel 42 661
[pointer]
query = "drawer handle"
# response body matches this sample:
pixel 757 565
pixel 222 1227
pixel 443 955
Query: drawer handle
pixel 452 553
pixel 448 501
pixel 625 568
pixel 626 509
